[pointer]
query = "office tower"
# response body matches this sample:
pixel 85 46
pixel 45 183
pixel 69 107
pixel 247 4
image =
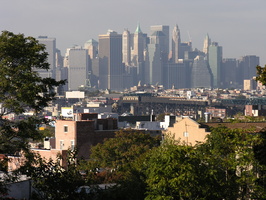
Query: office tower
pixel 77 59
pixel 50 45
pixel 156 59
pixel 215 61
pixel 92 47
pixel 184 48
pixel 247 66
pixel 111 68
pixel 176 42
pixel 228 73
pixel 60 71
pixel 200 73
pixel 206 44
pixel 154 65
pixel 165 37
pixel 176 75
pixel 137 54
pixel 126 47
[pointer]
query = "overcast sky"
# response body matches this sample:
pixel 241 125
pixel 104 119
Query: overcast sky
pixel 239 26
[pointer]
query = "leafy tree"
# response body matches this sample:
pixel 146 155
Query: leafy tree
pixel 54 180
pixel 261 72
pixel 229 165
pixel 122 158
pixel 233 162
pixel 119 152
pixel 22 89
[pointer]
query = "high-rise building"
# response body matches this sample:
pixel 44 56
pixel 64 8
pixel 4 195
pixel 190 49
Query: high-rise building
pixel 176 75
pixel 200 73
pixel 206 44
pixel 50 45
pixel 126 47
pixel 92 46
pixel 137 54
pixel 164 38
pixel 154 65
pixel 111 68
pixel 215 60
pixel 247 64
pixel 228 73
pixel 176 42
pixel 77 59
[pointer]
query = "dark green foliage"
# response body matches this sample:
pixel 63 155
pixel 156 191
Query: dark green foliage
pixel 224 167
pixel 122 159
pixel 229 165
pixel 261 72
pixel 52 180
pixel 119 152
pixel 21 90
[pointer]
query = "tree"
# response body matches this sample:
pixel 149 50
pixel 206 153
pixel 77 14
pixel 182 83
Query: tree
pixel 229 165
pixel 22 89
pixel 119 152
pixel 261 72
pixel 121 159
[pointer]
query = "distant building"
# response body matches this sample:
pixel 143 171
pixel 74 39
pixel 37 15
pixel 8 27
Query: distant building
pixel 216 112
pixel 254 110
pixel 165 38
pixel 176 74
pixel 126 47
pixel 229 73
pixel 50 47
pixel 176 42
pixel 200 73
pixel 92 47
pixel 215 61
pixel 111 68
pixel 78 67
pixel 247 68
pixel 249 84
pixel 206 44
pixel 137 53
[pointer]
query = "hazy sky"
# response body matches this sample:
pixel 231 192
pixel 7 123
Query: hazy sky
pixel 237 25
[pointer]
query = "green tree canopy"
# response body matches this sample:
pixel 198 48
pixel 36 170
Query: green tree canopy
pixel 261 74
pixel 229 165
pixel 22 89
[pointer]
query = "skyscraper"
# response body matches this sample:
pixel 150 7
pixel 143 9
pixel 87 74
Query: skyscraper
pixel 137 54
pixel 247 64
pixel 126 48
pixel 50 45
pixel 138 48
pixel 206 44
pixel 200 73
pixel 229 73
pixel 176 75
pixel 92 47
pixel 111 68
pixel 165 38
pixel 77 68
pixel 176 41
pixel 215 60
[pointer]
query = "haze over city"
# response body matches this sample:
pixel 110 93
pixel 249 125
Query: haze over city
pixel 238 26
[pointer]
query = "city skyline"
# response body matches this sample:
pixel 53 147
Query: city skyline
pixel 237 27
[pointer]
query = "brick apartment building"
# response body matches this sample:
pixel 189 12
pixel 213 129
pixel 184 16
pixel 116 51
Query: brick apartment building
pixel 82 132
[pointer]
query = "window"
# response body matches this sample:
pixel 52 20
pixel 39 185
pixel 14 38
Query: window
pixel 65 128
pixel 61 144
pixel 185 134
pixel 72 145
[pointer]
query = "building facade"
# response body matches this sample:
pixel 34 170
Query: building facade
pixel 111 68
